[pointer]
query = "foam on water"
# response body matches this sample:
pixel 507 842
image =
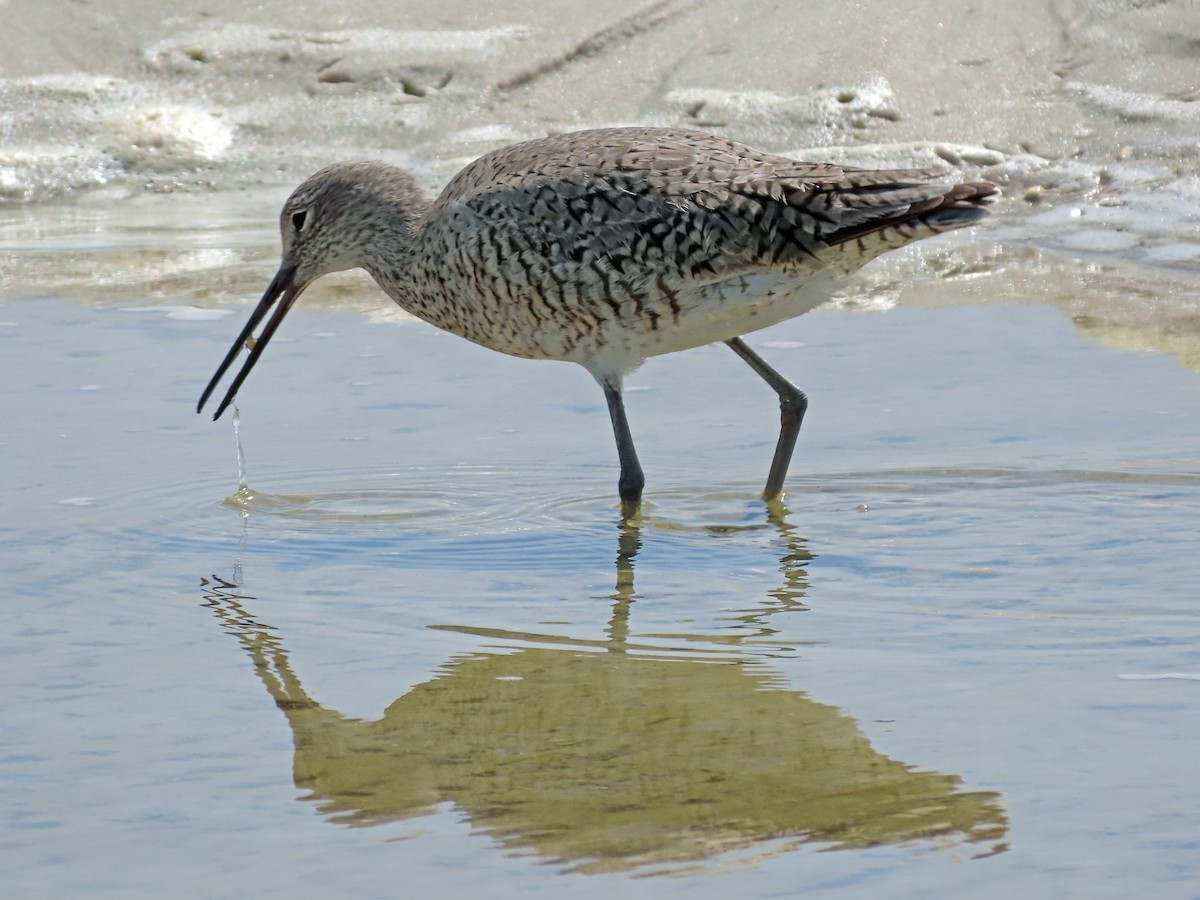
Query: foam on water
pixel 167 137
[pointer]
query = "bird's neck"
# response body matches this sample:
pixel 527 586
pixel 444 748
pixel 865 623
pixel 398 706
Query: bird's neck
pixel 403 255
pixel 390 252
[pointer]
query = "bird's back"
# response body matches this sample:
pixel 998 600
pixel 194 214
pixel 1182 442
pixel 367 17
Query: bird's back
pixel 628 242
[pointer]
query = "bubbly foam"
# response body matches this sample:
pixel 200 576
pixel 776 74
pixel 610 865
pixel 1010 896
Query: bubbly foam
pixel 167 137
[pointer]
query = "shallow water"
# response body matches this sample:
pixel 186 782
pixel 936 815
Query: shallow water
pixel 420 647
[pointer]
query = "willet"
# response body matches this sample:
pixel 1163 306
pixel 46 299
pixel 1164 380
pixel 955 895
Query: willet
pixel 607 247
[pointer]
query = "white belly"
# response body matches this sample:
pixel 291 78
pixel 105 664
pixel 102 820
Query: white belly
pixel 708 314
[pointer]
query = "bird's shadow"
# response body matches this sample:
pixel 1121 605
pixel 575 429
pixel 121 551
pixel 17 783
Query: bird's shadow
pixel 655 753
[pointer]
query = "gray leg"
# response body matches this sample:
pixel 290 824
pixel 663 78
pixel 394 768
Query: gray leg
pixel 792 404
pixel 632 480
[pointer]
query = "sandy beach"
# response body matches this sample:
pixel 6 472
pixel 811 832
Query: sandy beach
pixel 1058 101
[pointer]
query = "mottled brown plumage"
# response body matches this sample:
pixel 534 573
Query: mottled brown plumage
pixel 607 247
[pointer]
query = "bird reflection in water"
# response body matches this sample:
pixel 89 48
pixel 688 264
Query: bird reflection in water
pixel 632 752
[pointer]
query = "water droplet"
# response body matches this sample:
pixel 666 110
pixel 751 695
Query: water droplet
pixel 241 456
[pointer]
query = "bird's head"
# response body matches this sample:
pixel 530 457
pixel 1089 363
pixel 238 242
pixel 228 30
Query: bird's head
pixel 340 218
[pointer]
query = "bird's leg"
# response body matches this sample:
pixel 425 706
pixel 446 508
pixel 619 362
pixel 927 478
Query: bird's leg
pixel 792 404
pixel 632 480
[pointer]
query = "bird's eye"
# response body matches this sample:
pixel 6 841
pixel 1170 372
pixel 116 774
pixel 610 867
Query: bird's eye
pixel 299 218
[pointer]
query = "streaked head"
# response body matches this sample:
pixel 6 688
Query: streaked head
pixel 334 221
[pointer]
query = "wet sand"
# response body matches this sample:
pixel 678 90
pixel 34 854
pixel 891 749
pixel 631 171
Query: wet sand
pixel 1060 102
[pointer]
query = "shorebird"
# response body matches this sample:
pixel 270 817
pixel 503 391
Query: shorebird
pixel 606 247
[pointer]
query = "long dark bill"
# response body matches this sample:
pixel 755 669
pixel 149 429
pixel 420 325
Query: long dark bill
pixel 283 289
